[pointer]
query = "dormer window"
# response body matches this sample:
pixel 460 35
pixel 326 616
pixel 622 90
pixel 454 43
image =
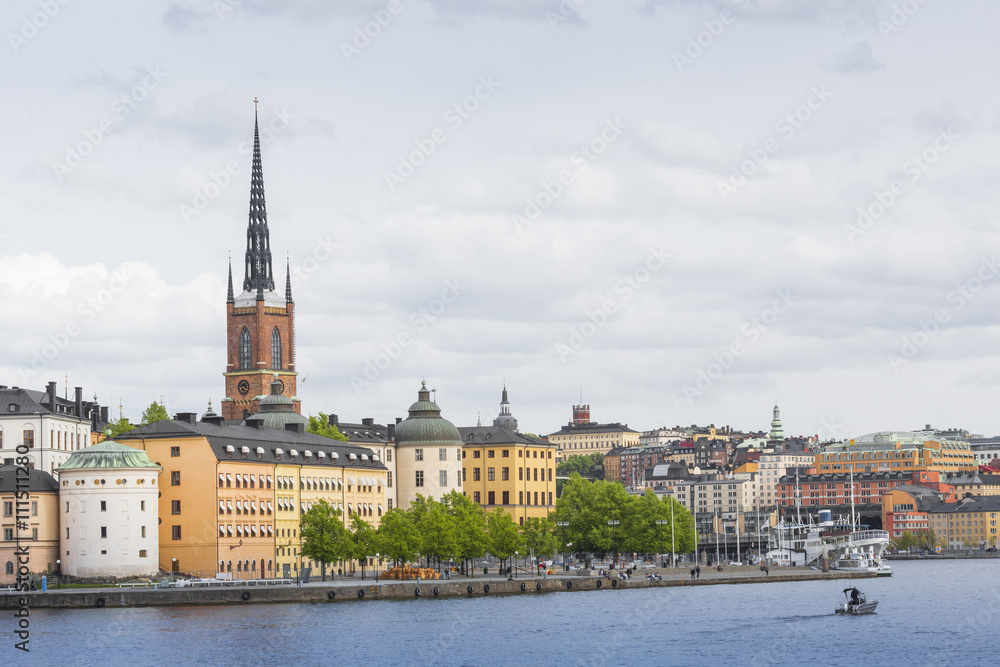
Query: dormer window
pixel 245 451
pixel 277 454
pixel 292 453
pixel 229 451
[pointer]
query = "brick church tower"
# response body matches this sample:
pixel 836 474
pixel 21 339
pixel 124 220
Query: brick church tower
pixel 260 324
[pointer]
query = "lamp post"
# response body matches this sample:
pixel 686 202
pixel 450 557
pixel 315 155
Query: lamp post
pixel 673 541
pixel 661 523
pixel 516 556
pixel 614 557
pixel 173 569
pixel 564 525
pixel 59 572
pixel 378 561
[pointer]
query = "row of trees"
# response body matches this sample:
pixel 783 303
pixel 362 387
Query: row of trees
pixel 457 529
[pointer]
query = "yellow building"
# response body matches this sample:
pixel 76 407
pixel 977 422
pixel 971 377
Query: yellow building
pixel 39 512
pixel 240 491
pixel 971 523
pixel 582 436
pixel 503 468
pixel 896 452
pixel 973 484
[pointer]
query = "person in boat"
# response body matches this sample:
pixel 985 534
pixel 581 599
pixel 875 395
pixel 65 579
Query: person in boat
pixel 855 596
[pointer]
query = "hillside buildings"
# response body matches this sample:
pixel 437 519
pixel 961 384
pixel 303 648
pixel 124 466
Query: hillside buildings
pixel 582 436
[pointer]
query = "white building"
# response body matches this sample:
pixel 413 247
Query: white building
pixel 50 427
pixel 771 466
pixel 109 512
pixel 428 453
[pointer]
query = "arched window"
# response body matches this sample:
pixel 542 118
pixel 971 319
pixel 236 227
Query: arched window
pixel 275 349
pixel 246 355
pixel 9 569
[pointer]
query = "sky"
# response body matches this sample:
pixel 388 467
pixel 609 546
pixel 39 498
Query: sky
pixel 674 211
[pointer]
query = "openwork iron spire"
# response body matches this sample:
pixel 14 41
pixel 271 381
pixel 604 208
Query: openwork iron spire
pixel 229 297
pixel 288 280
pixel 258 276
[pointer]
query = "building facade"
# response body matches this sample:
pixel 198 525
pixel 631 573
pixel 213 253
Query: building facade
pixel 892 451
pixel 583 437
pixel 970 523
pixel 428 453
pixel 38 516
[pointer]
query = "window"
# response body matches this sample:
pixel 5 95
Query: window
pixel 442 454
pixel 142 531
pixel 8 508
pixel 491 475
pixel 475 454
pixel 8 534
pixel 550 476
pixel 491 454
pixel 491 498
pixel 175 451
pixel 506 497
pixel 142 505
pixel 175 507
pixel 550 497
pixel 388 455
pixel 520 497
pixel 505 453
pixel 246 353
pixel 505 475
pixel 142 553
pixel 475 497
pixel 104 531
pixel 418 455
pixel 420 478
pixel 104 505
pixel 536 474
pixel 463 474
pixel 175 532
pixel 443 477
pixel 29 437
pixel 175 478
pixel 34 508
pixel 475 474
pixel 388 480
pixel 275 349
pixel 520 474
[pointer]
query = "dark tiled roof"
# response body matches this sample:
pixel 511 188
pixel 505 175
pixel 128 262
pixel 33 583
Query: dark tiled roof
pixel 39 481
pixel 377 434
pixel 574 429
pixel 237 437
pixel 495 435
pixel 973 504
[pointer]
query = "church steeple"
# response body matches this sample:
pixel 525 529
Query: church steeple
pixel 505 419
pixel 229 297
pixel 288 281
pixel 257 276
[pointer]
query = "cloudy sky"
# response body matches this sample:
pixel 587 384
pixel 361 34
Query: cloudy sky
pixel 681 210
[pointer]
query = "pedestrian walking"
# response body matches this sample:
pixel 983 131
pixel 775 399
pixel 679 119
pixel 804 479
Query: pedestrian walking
pixel 697 572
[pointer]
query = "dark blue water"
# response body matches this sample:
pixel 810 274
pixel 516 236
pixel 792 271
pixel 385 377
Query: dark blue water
pixel 930 613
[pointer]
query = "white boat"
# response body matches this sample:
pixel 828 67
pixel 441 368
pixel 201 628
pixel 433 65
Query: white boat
pixel 861 559
pixel 856 603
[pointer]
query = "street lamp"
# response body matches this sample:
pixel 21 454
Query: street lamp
pixel 661 523
pixel 516 556
pixel 564 525
pixel 59 572
pixel 614 558
pixel 378 560
pixel 173 569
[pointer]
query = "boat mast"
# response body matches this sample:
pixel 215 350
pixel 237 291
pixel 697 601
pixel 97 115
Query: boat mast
pixel 798 498
pixel 853 524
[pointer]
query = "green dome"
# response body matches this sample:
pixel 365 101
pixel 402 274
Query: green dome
pixel 108 454
pixel 425 424
pixel 276 410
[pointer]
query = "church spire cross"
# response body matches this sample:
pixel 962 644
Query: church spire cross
pixel 258 276
pixel 230 298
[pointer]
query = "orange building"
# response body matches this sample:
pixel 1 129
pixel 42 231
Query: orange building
pixel 896 452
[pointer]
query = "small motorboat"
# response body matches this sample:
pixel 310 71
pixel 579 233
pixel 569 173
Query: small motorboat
pixel 856 603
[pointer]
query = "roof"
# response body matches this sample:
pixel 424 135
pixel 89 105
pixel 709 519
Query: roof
pixel 274 442
pixel 495 435
pixel 361 434
pixel 593 427
pixel 962 478
pixel 971 504
pixel 39 481
pixel 107 454
pixel 31 402
pixel 425 425
pixel 924 497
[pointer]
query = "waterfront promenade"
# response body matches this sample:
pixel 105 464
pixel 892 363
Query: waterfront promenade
pixel 360 590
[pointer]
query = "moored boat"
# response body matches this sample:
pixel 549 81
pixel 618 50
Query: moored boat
pixel 856 603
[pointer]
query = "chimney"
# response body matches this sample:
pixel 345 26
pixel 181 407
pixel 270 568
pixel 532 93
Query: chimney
pixel 187 417
pixel 78 391
pixel 368 421
pixel 296 427
pixel 216 420
pixel 581 414
pixel 52 396
pixel 390 432
pixel 334 420
pixel 399 419
pixel 104 414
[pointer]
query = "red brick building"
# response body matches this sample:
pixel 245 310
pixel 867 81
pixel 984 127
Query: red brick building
pixel 260 324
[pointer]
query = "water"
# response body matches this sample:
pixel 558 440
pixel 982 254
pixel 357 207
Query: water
pixel 944 612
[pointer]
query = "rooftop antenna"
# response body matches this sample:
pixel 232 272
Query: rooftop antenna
pixel 120 415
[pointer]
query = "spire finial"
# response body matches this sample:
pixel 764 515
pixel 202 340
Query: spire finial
pixel 257 271
pixel 288 279
pixel 229 295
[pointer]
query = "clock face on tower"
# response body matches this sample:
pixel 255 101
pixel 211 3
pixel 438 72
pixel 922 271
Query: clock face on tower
pixel 282 386
pixel 243 386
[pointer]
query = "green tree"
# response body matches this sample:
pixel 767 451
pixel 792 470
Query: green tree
pixel 504 536
pixel 321 426
pixel 365 541
pixel 583 464
pixel 436 525
pixel 156 412
pixel 324 537
pixel 119 426
pixel 538 535
pixel 397 538
pixel 471 541
pixel 905 541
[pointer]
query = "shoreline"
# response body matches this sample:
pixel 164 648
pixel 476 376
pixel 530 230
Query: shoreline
pixel 364 591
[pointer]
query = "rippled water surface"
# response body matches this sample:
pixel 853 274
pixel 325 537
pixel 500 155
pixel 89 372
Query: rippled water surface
pixel 941 613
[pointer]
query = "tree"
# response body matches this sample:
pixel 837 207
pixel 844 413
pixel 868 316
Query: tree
pixel 365 542
pixel 504 536
pixel 582 464
pixel 397 538
pixel 119 426
pixel 156 412
pixel 324 537
pixel 471 540
pixel 905 541
pixel 321 426
pixel 538 535
pixel 436 527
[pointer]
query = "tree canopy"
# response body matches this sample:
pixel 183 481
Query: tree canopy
pixel 583 464
pixel 325 539
pixel 321 426
pixel 156 412
pixel 119 426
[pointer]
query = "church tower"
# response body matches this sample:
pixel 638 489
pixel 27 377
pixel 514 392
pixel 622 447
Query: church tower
pixel 260 324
